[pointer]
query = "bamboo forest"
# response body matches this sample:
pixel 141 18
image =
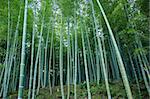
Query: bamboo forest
pixel 74 49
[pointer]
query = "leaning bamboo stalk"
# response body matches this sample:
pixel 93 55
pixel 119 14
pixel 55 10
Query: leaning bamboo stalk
pixel 12 53
pixel 39 74
pixel 101 53
pixel 135 74
pixel 7 54
pixel 121 65
pixel 37 57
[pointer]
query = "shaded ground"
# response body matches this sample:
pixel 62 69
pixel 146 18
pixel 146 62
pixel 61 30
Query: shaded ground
pixel 98 92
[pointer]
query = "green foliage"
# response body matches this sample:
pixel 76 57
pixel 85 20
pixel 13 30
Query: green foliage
pixel 144 6
pixel 1 66
pixel 67 7
pixel 138 50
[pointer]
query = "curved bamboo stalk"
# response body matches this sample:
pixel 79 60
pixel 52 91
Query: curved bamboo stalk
pixel 101 54
pixel 121 65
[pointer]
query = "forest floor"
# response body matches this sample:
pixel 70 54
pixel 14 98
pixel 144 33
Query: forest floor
pixel 97 91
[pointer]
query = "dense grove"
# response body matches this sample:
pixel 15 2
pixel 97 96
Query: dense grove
pixel 95 49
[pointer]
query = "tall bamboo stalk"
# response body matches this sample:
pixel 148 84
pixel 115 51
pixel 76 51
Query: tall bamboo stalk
pixel 61 62
pixel 22 65
pixel 13 52
pixel 121 65
pixel 101 54
pixel 90 53
pixel 32 53
pixel 85 64
pixel 68 58
pixel 76 56
pixel 135 74
pixel 37 57
pixel 3 89
pixel 39 74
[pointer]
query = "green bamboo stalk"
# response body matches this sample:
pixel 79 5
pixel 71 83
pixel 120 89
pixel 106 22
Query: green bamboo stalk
pixel 79 68
pixel 37 57
pixel 121 65
pixel 12 53
pixel 22 65
pixel 136 78
pixel 144 75
pixel 96 54
pixel 39 73
pixel 1 78
pixel 7 54
pixel 143 54
pixel 17 72
pixel 2 74
pixel 76 56
pixel 14 73
pixel 139 45
pixel 42 66
pixel 104 70
pixel 32 54
pixel 1 92
pixel 138 68
pixel 50 57
pixel 61 62
pixel 105 57
pixel 51 46
pixel 91 78
pixel 53 83
pixel 101 54
pixel 85 64
pixel 72 59
pixel 71 64
pixel 45 65
pixel 114 60
pixel 90 54
pixel 142 61
pixel 98 67
pixel 68 59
